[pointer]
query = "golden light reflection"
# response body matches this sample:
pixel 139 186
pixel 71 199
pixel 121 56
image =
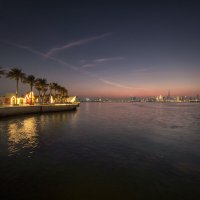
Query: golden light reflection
pixel 74 117
pixel 23 133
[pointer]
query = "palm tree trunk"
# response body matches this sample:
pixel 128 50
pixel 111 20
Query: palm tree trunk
pixel 31 94
pixel 42 97
pixel 39 97
pixel 17 88
pixel 50 94
pixel 55 95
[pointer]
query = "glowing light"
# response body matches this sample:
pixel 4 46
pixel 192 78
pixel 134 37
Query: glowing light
pixel 24 132
pixel 71 99
pixel 29 98
pixel 51 99
pixel 13 100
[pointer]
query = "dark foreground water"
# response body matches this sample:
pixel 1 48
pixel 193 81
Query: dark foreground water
pixel 103 151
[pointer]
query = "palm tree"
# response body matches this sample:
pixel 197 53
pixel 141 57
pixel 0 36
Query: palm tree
pixel 64 92
pixel 41 86
pixel 55 88
pixel 38 88
pixel 59 90
pixel 51 88
pixel 16 74
pixel 44 90
pixel 56 91
pixel 2 72
pixel 31 81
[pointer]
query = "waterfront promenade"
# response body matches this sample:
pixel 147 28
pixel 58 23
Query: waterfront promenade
pixel 35 109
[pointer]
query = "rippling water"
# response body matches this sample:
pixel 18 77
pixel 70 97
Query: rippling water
pixel 103 151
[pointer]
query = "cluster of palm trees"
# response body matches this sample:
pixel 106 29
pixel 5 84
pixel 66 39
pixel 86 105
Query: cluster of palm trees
pixel 40 84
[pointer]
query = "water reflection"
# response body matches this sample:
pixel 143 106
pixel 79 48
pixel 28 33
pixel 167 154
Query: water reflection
pixel 22 134
pixel 132 150
pixel 25 133
pixel 74 117
pixel 53 120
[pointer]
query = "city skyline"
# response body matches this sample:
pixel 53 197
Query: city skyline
pixel 104 48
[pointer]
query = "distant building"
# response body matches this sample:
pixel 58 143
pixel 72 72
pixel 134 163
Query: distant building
pixel 135 99
pixel 160 98
pixel 168 98
pixel 178 99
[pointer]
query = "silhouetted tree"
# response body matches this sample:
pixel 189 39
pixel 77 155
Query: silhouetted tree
pixel 2 72
pixel 41 86
pixel 31 81
pixel 16 74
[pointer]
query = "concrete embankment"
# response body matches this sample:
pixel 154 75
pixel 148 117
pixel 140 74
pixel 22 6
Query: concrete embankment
pixel 21 110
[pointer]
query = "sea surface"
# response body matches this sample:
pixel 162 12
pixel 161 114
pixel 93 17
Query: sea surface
pixel 103 151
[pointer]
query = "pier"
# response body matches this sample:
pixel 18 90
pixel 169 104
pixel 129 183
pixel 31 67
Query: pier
pixel 35 109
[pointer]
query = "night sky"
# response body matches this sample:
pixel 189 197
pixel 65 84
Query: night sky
pixel 104 48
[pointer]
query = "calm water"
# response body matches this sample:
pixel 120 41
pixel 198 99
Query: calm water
pixel 103 151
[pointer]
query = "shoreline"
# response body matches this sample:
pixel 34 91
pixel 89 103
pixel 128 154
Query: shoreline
pixel 192 102
pixel 35 109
